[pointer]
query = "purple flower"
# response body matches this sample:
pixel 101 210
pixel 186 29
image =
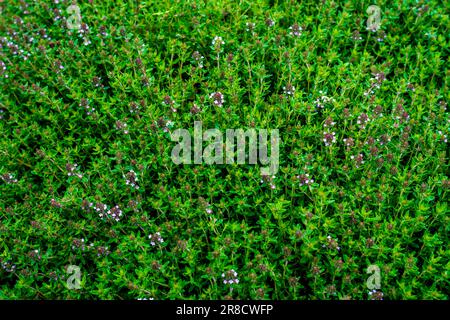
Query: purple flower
pixel 296 30
pixel 71 168
pixel 305 179
pixel 358 159
pixel 168 101
pixel 362 121
pixel 155 238
pixel 8 178
pixel 122 126
pixel 131 179
pixel 217 98
pixel 329 138
pixel 114 213
pixel 270 22
pixel 230 277
pixel 217 43
pixel 198 58
pixel 289 89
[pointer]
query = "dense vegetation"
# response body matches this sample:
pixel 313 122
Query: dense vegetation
pixel 87 179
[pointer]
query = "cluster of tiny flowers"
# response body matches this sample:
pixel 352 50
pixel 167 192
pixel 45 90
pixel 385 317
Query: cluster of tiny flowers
pixel 329 123
pixel 250 26
pixel 83 32
pixel 133 204
pixel 155 238
pixel 1 113
pixel 57 14
pixel 44 35
pixel 206 205
pixel 134 107
pixel 230 277
pixel 23 7
pixel 102 30
pixel 198 59
pixel 322 100
pixel 356 36
pixel 195 109
pixel 122 126
pixel 55 203
pixel 8 178
pixel 378 111
pixel 270 22
pixel 217 43
pixel 296 30
pixel 81 244
pixel 18 20
pixel 421 10
pixel 97 82
pixel 329 138
pixel 8 266
pixel 3 69
pixel 169 102
pixel 401 114
pixel 332 244
pixel 14 48
pixel 369 91
pixel 384 139
pixel 379 77
pixel 34 254
pixel 381 36
pixel 362 121
pixel 144 299
pixel 85 104
pixel 71 170
pixel 169 125
pixel 217 98
pixel 102 251
pixel 410 86
pixel 131 179
pixel 305 179
pixel 376 82
pixel 144 80
pixel 358 160
pixel 166 125
pixel 99 207
pixel 443 137
pixel 270 180
pixel 349 142
pixel 289 90
pixel 58 66
pixel 114 213
pixel 376 295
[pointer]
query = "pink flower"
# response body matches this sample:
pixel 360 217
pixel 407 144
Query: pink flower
pixel 218 99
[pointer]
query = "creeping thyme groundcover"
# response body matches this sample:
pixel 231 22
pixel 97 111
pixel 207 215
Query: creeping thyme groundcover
pixel 93 205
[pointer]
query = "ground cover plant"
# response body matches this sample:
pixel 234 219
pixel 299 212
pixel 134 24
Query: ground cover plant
pixel 91 92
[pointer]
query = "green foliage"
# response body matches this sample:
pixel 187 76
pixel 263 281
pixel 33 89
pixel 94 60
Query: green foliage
pixel 105 100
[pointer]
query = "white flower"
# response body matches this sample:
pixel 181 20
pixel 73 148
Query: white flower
pixel 217 40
